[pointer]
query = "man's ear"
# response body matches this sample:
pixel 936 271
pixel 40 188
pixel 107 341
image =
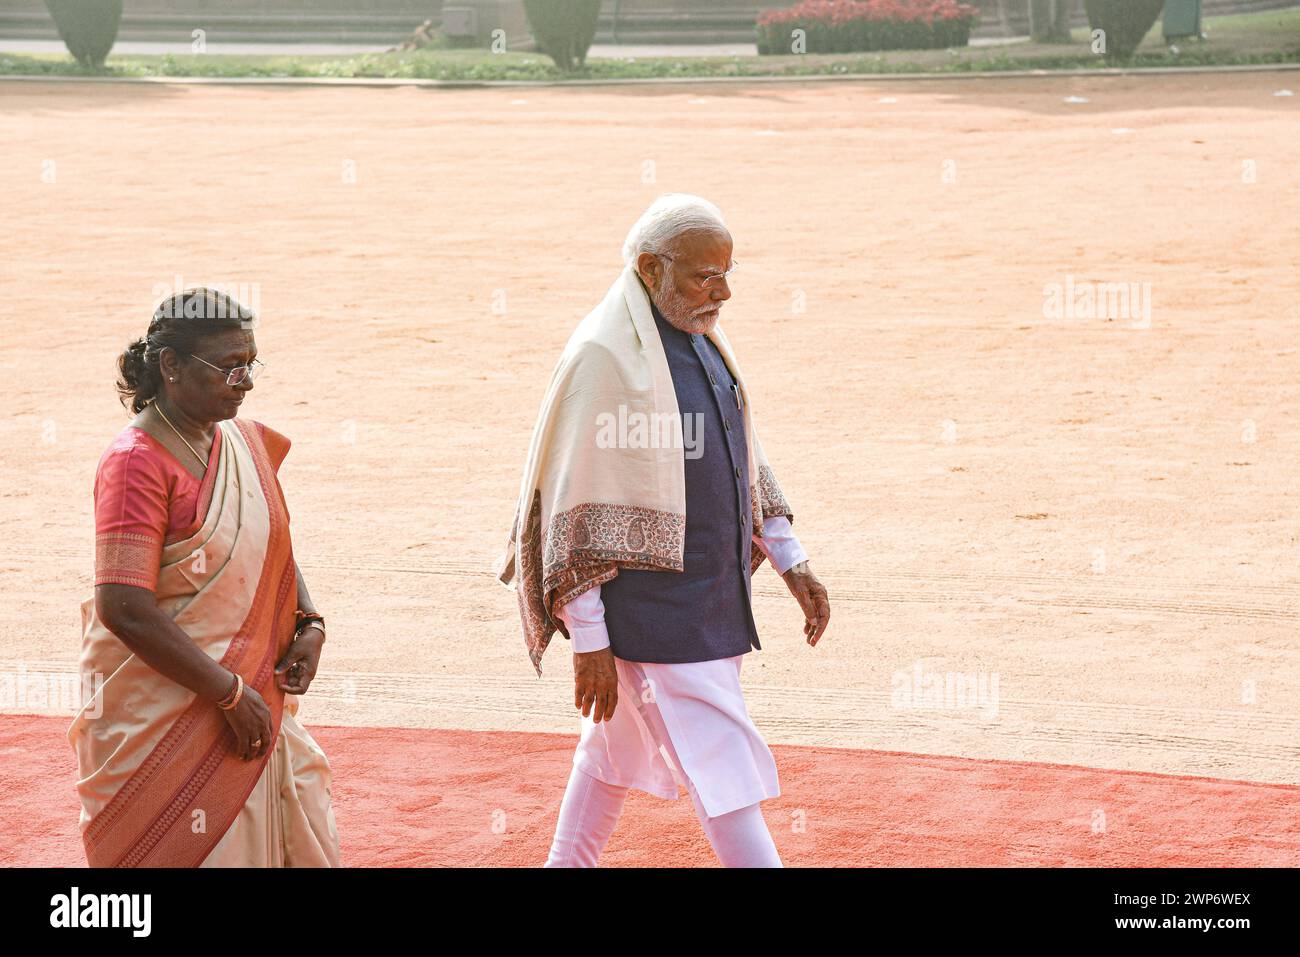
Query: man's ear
pixel 650 269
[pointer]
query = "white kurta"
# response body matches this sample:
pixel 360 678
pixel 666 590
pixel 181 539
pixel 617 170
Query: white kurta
pixel 679 718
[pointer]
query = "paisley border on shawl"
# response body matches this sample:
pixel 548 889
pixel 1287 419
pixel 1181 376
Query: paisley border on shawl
pixel 585 546
pixel 769 491
pixel 766 500
pixel 603 532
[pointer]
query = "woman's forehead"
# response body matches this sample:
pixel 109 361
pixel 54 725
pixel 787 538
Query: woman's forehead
pixel 234 343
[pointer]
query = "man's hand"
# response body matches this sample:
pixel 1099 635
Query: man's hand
pixel 811 595
pixel 595 683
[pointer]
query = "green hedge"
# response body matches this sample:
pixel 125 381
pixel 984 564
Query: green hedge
pixel 88 28
pixel 1124 22
pixel 563 29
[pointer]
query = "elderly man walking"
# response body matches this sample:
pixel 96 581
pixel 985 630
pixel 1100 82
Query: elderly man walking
pixel 646 505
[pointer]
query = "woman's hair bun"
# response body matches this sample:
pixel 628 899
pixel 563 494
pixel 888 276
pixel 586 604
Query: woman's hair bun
pixel 137 382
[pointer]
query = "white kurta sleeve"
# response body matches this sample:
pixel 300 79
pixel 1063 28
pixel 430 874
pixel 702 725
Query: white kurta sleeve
pixel 584 617
pixel 779 544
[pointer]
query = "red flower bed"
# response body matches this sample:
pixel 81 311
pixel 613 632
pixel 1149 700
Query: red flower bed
pixel 846 26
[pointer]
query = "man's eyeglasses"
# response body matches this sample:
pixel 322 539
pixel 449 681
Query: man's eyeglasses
pixel 236 375
pixel 711 282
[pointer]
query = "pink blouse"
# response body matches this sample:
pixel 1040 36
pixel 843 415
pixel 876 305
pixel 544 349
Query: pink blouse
pixel 145 498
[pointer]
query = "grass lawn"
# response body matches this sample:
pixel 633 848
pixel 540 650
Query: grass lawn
pixel 1269 37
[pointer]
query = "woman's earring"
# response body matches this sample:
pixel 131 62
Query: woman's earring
pixel 171 378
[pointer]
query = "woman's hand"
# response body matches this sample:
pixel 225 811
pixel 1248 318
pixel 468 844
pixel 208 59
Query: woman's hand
pixel 595 683
pixel 251 722
pixel 300 662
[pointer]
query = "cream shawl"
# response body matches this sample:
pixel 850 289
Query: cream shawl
pixel 604 483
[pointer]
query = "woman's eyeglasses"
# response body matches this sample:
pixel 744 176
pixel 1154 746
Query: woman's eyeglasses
pixel 236 375
pixel 711 282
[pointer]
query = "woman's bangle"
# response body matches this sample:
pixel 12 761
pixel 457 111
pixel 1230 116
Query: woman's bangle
pixel 229 701
pixel 307 619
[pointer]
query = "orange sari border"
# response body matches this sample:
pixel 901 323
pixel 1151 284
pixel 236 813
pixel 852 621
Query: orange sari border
pixel 145 822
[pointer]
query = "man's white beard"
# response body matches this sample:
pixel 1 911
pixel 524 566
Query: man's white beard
pixel 680 315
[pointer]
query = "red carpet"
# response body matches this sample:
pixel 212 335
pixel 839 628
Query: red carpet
pixel 490 799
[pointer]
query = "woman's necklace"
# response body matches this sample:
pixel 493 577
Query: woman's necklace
pixel 181 437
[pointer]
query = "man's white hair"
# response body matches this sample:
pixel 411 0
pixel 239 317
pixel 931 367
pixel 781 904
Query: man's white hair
pixel 667 218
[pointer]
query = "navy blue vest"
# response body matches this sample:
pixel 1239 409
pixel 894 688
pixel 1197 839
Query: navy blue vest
pixel 704 612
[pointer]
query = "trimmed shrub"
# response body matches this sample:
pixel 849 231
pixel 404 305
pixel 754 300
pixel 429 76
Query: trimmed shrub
pixel 88 28
pixel 563 29
pixel 851 26
pixel 1125 23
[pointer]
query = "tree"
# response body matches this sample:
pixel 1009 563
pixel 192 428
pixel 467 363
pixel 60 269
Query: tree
pixel 88 28
pixel 563 29
pixel 1004 17
pixel 1123 22
pixel 1049 21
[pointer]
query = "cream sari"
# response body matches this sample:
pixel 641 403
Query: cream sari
pixel 159 782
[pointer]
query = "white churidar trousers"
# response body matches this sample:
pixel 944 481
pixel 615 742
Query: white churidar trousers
pixel 674 724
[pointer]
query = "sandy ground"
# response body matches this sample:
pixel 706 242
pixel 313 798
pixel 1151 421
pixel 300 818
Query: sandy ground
pixel 1098 515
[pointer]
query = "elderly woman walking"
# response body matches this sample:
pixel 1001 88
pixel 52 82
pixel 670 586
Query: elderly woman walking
pixel 201 633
